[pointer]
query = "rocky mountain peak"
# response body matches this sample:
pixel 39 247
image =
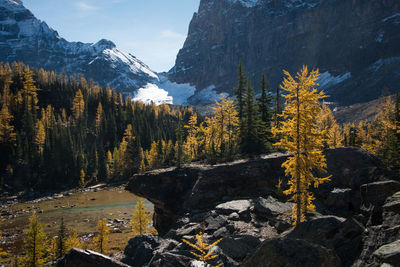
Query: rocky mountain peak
pixel 25 38
pixel 354 44
pixel 104 44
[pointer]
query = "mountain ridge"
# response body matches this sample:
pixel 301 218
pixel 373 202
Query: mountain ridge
pixel 25 38
pixel 353 43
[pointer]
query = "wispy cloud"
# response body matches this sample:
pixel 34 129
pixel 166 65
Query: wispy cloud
pixel 82 6
pixel 169 34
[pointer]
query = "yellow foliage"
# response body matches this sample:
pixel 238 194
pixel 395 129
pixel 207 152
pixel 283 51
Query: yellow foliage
pixel 219 134
pixel 142 166
pixel 73 241
pixel 384 125
pixel 82 182
pixel 191 143
pixel 300 136
pixel 153 157
pixel 40 136
pixel 99 117
pixel 35 243
pixel 7 132
pixel 29 91
pixel 140 219
pixel 78 105
pixel 204 250
pixel 53 248
pixel 2 253
pixel 103 231
pixel 328 125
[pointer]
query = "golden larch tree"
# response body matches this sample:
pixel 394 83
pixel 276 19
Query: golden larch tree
pixel 35 243
pixel 78 105
pixel 29 91
pixel 82 182
pixel 103 231
pixel 191 143
pixel 53 249
pixel 40 136
pixel 384 125
pixel 7 131
pixel 73 241
pixel 140 219
pixel 99 117
pixel 226 122
pixel 153 156
pixel 327 123
pixel 301 137
pixel 204 250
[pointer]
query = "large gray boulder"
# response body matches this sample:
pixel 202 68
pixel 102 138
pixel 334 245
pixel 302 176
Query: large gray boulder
pixel 87 258
pixel 389 253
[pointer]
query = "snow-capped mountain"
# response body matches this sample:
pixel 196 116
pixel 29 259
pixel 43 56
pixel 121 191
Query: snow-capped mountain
pixel 355 44
pixel 25 38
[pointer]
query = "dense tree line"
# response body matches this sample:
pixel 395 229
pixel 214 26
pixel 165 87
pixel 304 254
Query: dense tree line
pixel 57 130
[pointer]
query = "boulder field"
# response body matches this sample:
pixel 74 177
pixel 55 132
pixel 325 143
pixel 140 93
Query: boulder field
pixel 356 222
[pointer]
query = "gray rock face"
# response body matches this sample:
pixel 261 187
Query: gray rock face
pixel 292 253
pixel 191 188
pixel 239 203
pixel 353 43
pixel 237 206
pixel 271 207
pixel 25 38
pixel 140 249
pixel 86 258
pixel 389 253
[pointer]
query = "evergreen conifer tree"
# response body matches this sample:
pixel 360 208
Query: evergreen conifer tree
pixel 61 239
pixel 239 93
pixel 250 141
pixel 265 116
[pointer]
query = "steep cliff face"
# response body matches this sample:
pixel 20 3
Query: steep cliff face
pixel 25 38
pixel 355 44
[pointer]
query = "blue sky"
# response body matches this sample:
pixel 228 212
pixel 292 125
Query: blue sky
pixel 151 30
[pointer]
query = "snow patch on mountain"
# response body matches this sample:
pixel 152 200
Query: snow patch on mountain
pixel 27 39
pixel 326 79
pixel 115 55
pixel 180 92
pixel 165 92
pixel 151 93
pixel 206 96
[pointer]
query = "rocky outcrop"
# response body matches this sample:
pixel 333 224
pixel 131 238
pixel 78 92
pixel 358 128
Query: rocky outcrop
pixel 25 38
pixel 353 43
pixel 86 258
pixel 239 203
pixel 292 253
pixel 192 188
